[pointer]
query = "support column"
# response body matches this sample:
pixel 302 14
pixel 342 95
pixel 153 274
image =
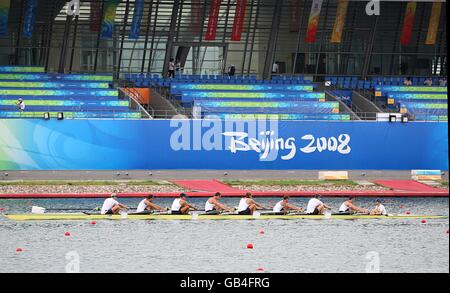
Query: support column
pixel 74 42
pixel 270 54
pixel 369 51
pixel 173 25
pixel 65 42
pixel 124 27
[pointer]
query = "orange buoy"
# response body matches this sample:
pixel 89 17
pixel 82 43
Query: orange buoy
pixel 250 246
pixel 19 249
pixel 67 234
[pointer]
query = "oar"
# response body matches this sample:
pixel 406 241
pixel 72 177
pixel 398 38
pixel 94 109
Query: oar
pixel 73 209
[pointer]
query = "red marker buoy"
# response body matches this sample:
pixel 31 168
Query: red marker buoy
pixel 19 249
pixel 93 222
pixel 261 232
pixel 424 221
pixel 67 234
pixel 401 207
pixel 2 209
pixel 260 269
pixel 250 246
pixel 408 213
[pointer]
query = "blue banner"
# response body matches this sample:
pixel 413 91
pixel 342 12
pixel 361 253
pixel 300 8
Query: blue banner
pixel 29 18
pixel 137 18
pixel 214 144
pixel 109 18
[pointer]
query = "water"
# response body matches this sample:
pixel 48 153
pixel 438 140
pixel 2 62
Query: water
pixel 220 246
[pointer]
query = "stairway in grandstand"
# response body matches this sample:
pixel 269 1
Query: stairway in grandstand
pixel 245 97
pixel 74 95
pixel 418 101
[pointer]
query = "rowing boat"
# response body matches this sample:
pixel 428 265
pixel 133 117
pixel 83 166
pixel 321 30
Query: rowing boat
pixel 82 216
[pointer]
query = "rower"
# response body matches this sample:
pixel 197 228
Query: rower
pixel 348 207
pixel 147 205
pixel 247 205
pixel 316 206
pixel 180 206
pixel 213 205
pixel 285 206
pixel 111 206
pixel 379 209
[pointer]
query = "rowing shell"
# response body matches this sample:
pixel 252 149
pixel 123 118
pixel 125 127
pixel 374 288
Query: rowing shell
pixel 80 216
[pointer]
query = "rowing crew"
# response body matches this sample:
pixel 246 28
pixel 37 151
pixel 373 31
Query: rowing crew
pixel 317 207
pixel 247 206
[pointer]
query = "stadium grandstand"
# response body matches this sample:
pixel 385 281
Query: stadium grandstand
pixel 291 60
pixel 247 131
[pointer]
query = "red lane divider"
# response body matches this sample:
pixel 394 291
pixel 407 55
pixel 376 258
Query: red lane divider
pixel 386 193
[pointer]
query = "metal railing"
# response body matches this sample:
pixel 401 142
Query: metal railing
pixel 134 97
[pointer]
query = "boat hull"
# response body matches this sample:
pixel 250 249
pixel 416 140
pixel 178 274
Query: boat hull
pixel 80 216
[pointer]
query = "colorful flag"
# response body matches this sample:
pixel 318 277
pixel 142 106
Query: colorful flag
pixel 339 23
pixel 294 13
pixel 29 18
pixel 434 23
pixel 213 20
pixel 4 16
pixel 109 17
pixel 239 16
pixel 408 23
pixel 313 22
pixel 137 19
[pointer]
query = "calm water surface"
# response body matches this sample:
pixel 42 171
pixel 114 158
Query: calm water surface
pixel 220 246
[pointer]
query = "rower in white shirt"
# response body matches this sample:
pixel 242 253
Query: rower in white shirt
pixel 247 205
pixel 111 206
pixel 213 205
pixel 147 205
pixel 283 206
pixel 180 206
pixel 379 209
pixel 349 207
pixel 316 206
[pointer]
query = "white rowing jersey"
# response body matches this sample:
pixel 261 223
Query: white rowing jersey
pixel 381 209
pixel 176 206
pixel 243 205
pixel 313 203
pixel 278 207
pixel 344 208
pixel 209 206
pixel 108 204
pixel 142 206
